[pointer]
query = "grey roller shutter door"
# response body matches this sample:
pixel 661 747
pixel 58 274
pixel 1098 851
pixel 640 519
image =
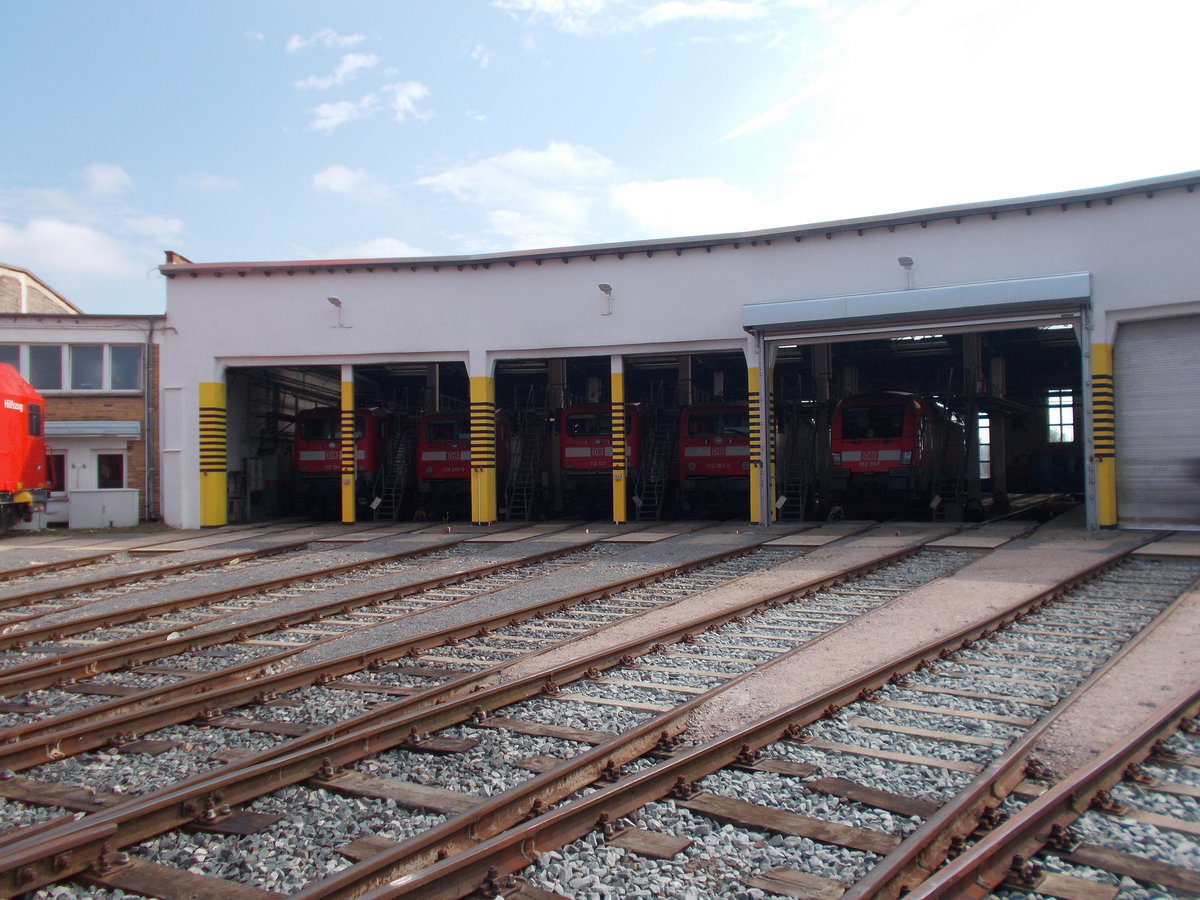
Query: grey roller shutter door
pixel 1157 377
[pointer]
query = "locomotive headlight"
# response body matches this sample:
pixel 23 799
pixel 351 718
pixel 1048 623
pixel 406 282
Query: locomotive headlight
pixel 837 457
pixel 429 470
pixel 745 465
pixel 906 457
pixel 691 467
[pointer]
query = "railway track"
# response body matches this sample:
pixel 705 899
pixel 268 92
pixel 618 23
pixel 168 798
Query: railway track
pixel 510 746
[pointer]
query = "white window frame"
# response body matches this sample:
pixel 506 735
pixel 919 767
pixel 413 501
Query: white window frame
pixel 24 355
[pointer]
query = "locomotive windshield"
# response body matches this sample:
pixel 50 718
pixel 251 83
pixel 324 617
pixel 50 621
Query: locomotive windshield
pixel 326 427
pixel 718 423
pixel 447 430
pixel 590 424
pixel 878 422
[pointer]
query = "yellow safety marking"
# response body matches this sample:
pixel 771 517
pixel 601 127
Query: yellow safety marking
pixel 1104 434
pixel 214 509
pixel 620 503
pixel 349 456
pixel 483 450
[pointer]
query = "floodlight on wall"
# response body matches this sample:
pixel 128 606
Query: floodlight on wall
pixel 337 302
pixel 906 262
pixel 606 289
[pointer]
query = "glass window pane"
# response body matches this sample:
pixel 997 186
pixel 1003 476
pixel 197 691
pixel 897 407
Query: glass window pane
pixel 126 368
pixel 11 354
pixel 58 471
pixel 87 367
pixel 110 470
pixel 45 366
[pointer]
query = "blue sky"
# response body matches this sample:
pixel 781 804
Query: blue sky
pixel 255 130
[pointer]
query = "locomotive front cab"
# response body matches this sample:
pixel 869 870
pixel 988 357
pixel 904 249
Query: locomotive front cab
pixel 316 456
pixel 714 457
pixel 881 447
pixel 443 448
pixel 24 473
pixel 585 439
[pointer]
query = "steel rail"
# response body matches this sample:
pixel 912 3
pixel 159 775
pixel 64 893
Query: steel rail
pixel 514 805
pixel 180 702
pixel 338 745
pixel 127 577
pixel 61 565
pixel 1003 852
pixel 926 848
pixel 140 649
pixel 24 638
pixel 512 850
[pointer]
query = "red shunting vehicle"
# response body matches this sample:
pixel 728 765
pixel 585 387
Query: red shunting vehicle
pixel 24 475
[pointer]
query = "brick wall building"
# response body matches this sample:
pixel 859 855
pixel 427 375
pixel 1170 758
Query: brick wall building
pixel 99 377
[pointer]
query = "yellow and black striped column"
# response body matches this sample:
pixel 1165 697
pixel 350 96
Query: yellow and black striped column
pixel 483 450
pixel 214 502
pixel 620 459
pixel 1104 435
pixel 348 470
pixel 758 515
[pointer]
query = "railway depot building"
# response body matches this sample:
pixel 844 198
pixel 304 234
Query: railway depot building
pixel 1059 331
pixel 97 376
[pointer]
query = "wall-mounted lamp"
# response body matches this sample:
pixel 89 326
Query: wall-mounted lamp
pixel 337 302
pixel 906 263
pixel 606 288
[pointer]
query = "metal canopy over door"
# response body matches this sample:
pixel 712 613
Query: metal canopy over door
pixel 977 307
pixel 1157 374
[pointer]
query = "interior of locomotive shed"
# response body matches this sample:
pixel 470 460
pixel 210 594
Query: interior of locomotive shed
pixel 1013 398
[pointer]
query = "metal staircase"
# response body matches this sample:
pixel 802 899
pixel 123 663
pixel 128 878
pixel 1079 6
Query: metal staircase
pixel 524 472
pixel 797 462
pixel 394 479
pixel 658 454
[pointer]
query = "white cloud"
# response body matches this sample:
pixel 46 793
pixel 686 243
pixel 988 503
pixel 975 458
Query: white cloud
pixel 924 105
pixel 325 37
pixel 106 179
pixel 780 112
pixel 533 198
pixel 328 116
pixel 163 230
pixel 570 16
pixel 610 16
pixel 347 68
pixel 479 54
pixel 378 248
pixel 47 244
pixel 687 206
pixel 703 9
pixel 356 184
pixel 208 181
pixel 405 95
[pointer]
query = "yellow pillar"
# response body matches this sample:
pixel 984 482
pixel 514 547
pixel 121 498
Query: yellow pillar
pixel 1104 435
pixel 349 451
pixel 214 502
pixel 483 450
pixel 620 472
pixel 759 515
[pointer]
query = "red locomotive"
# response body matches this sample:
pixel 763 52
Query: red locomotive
pixel 444 459
pixel 892 449
pixel 24 475
pixel 714 456
pixel 585 439
pixel 317 453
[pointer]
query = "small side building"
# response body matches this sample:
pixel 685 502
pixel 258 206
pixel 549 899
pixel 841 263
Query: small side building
pixel 98 376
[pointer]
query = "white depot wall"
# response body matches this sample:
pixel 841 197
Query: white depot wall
pixel 1139 250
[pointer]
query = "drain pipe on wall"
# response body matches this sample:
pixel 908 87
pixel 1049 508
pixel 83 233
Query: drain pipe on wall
pixel 147 387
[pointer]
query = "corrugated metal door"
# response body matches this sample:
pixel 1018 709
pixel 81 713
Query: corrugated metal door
pixel 1157 374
